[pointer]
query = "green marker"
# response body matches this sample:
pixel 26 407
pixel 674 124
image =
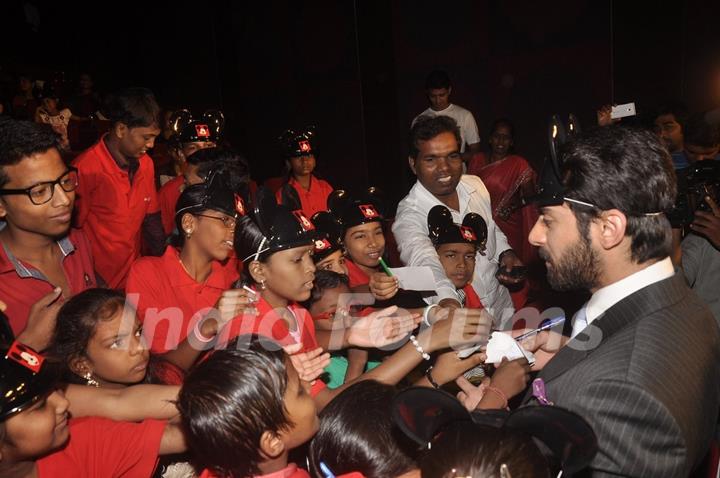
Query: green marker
pixel 385 267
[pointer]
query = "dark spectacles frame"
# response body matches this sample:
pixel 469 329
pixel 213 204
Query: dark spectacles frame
pixel 52 184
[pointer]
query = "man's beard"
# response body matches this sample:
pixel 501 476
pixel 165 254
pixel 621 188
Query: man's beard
pixel 577 269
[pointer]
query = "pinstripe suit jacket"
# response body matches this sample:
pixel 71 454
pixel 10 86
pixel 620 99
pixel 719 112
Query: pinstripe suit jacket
pixel 646 376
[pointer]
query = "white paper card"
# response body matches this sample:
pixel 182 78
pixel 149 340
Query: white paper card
pixel 415 278
pixel 502 345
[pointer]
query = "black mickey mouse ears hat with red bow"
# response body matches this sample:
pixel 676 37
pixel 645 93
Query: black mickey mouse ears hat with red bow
pixel 424 413
pixel 280 226
pixel 329 237
pixel 208 127
pixel 218 195
pixel 298 143
pixel 356 210
pixel 442 229
pixel 25 378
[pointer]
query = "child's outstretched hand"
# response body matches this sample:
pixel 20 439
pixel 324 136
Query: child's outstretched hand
pixel 309 365
pixel 382 328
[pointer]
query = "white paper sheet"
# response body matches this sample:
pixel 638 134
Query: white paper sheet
pixel 501 345
pixel 415 278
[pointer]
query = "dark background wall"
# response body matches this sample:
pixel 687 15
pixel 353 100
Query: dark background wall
pixel 356 68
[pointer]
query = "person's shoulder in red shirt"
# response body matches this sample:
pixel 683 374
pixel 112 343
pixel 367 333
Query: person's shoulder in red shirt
pixel 101 447
pixel 167 199
pixel 290 471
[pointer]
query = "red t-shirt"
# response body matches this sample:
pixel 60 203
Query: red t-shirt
pixel 167 199
pixel 312 200
pixel 269 323
pixel 291 471
pixel 101 447
pixel 356 276
pixel 21 284
pixel 167 295
pixel 111 210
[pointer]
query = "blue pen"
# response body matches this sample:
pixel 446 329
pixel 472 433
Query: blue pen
pixel 548 325
pixel 326 471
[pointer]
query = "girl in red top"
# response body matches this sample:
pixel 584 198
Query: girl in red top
pixel 362 235
pixel 302 187
pixel 191 282
pixel 277 248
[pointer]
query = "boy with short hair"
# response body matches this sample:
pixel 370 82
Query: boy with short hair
pixel 244 409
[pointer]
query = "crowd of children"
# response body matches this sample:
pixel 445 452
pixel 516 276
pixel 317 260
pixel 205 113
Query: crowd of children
pixel 246 332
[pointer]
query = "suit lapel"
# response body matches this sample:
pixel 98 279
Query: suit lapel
pixel 623 314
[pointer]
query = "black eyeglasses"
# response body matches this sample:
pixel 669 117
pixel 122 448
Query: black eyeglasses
pixel 228 221
pixel 43 192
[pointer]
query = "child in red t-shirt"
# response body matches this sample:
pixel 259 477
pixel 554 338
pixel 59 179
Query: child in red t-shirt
pixel 35 429
pixel 244 409
pixel 98 341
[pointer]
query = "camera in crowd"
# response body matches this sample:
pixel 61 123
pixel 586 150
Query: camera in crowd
pixel 694 184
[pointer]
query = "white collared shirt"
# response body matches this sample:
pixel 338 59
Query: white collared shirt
pixel 611 294
pixel 464 119
pixel 411 234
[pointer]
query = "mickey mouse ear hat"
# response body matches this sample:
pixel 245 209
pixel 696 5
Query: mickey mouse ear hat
pixel 302 143
pixel 329 235
pixel 281 227
pixel 25 378
pixel 443 230
pixel 550 191
pixel 218 195
pixel 354 211
pixel 422 413
pixel 187 129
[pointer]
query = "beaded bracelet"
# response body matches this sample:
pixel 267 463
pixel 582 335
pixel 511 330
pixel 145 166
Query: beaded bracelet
pixel 426 314
pixel 419 348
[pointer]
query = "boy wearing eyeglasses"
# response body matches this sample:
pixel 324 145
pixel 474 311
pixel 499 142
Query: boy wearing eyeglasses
pixel 42 259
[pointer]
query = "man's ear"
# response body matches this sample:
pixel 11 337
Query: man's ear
pixel 411 163
pixel 3 211
pixel 271 445
pixel 613 224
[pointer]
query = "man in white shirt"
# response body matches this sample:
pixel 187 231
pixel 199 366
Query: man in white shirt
pixel 435 159
pixel 642 366
pixel 438 90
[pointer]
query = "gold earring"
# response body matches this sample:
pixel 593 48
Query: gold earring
pixel 188 233
pixel 91 382
pixel 262 284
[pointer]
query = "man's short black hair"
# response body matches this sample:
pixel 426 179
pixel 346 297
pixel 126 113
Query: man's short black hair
pixel 700 132
pixel 437 79
pixel 21 139
pixel 134 107
pixel 616 167
pixel 427 127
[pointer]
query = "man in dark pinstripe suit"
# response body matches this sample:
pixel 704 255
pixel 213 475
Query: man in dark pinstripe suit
pixel 643 364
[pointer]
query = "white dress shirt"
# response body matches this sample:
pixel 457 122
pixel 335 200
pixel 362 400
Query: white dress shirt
pixel 611 294
pixel 411 234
